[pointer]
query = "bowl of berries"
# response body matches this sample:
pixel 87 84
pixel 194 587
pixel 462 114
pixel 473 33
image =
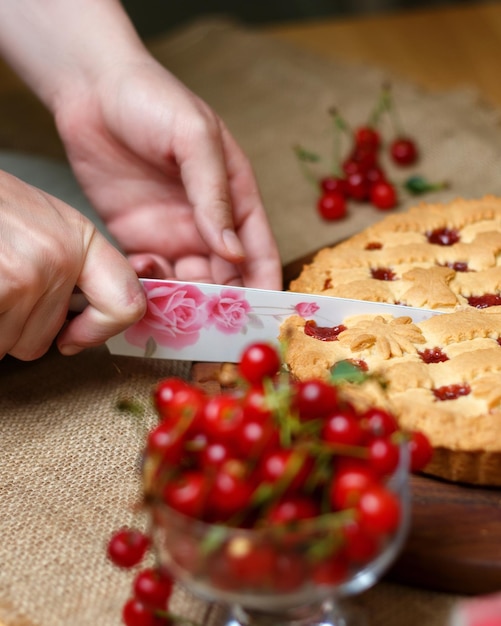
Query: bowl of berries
pixel 276 498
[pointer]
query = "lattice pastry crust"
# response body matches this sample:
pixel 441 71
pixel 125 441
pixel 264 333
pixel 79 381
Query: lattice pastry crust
pixel 395 260
pixel 398 260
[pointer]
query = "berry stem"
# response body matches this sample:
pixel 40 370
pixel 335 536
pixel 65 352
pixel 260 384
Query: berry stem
pixel 305 158
pixel 388 105
pixel 339 126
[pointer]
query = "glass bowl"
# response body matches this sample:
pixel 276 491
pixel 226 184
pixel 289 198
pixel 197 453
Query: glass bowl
pixel 280 575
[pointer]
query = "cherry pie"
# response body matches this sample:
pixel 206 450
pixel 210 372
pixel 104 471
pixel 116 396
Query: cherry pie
pixel 442 375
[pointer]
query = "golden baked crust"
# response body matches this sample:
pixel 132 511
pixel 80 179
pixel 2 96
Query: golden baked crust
pixel 398 260
pixel 464 429
pixel 412 270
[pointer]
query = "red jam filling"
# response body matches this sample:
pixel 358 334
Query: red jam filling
pixel 327 283
pixel 458 266
pixel 374 245
pixel 451 392
pixel 360 363
pixel 485 301
pixel 443 236
pixel 383 273
pixel 433 355
pixel 323 333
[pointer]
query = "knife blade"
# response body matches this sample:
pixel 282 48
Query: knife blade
pixel 189 321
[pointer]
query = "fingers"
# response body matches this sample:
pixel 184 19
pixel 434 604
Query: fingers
pixel 228 209
pixel 204 174
pixel 116 299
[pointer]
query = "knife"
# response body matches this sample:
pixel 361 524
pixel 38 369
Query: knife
pixel 188 321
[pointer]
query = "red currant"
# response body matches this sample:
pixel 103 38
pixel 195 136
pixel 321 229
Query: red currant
pixel 334 183
pixel 421 451
pixel 187 493
pixel 135 613
pixel 378 510
pixel 332 205
pixel 153 587
pixel 367 136
pixel 404 151
pixel 292 509
pixel 349 483
pixel 259 361
pixel 342 427
pixel 231 490
pixel 358 186
pixel 314 398
pixel 165 392
pixel 383 195
pixel 127 547
pixel 222 417
pixel 384 455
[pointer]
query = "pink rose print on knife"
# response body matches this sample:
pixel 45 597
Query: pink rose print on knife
pixel 228 311
pixel 175 315
pixel 306 309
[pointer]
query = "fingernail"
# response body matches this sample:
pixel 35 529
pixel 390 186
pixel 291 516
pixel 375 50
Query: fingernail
pixel 232 243
pixel 70 349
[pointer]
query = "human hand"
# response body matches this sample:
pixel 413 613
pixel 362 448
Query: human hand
pixel 47 249
pixel 166 176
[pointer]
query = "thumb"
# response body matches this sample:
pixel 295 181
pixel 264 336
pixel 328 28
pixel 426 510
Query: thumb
pixel 115 297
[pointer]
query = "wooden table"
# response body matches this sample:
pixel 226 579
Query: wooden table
pixel 437 48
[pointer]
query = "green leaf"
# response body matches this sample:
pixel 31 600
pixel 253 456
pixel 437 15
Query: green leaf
pixel 417 185
pixel 214 539
pixel 346 371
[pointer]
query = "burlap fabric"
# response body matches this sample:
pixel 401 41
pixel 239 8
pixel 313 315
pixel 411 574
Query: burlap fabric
pixel 68 475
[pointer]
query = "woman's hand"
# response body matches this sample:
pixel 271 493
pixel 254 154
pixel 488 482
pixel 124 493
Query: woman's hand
pixel 46 249
pixel 168 179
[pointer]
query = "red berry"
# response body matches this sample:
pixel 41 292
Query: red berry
pixel 383 195
pixel 222 417
pixel 332 205
pixel 331 571
pixel 255 405
pixel 187 493
pixel 127 547
pixel 259 361
pixel 292 509
pixel 214 454
pixel 164 392
pixel 367 136
pixel 378 423
pixel 256 437
pixel 248 563
pixel 358 186
pixel 153 587
pixel 342 427
pixel 135 613
pixel 404 151
pixel 421 451
pixel 334 183
pixel 286 466
pixel 314 398
pixel 384 455
pixel 349 483
pixel 378 510
pixel 166 440
pixel 360 546
pixel 231 490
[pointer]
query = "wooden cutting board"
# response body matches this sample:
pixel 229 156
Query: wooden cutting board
pixel 454 543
